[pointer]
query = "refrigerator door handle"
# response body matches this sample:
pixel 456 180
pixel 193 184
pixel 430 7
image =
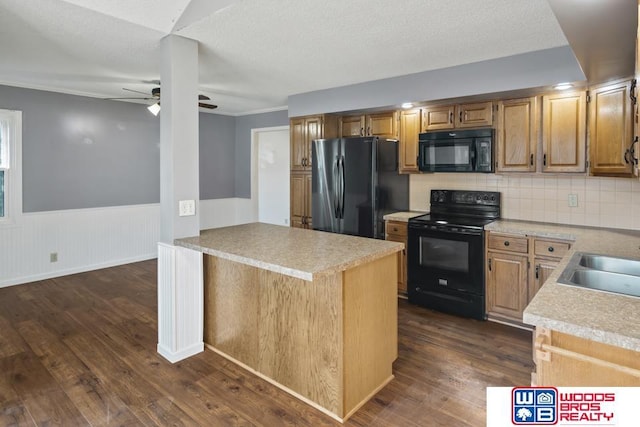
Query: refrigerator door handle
pixel 342 187
pixel 336 185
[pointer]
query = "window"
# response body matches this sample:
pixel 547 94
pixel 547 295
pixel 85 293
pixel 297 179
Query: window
pixel 10 162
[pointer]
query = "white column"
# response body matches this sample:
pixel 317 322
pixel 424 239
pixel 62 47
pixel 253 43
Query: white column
pixel 180 284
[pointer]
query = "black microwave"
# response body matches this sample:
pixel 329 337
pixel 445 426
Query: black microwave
pixel 468 150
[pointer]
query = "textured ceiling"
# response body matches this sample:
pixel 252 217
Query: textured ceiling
pixel 255 53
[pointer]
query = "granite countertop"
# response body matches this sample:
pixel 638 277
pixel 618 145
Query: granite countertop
pixel 599 316
pixel 304 254
pixel 402 216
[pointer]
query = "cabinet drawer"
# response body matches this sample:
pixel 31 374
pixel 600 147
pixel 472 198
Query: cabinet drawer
pixel 550 248
pixel 397 228
pixel 508 243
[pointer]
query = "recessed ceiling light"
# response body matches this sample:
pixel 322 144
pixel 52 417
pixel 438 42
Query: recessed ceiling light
pixel 407 105
pixel 563 86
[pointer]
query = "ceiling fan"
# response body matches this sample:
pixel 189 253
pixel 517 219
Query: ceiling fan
pixel 155 96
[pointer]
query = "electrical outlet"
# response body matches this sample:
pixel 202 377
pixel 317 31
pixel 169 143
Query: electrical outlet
pixel 186 207
pixel 53 257
pixel 573 200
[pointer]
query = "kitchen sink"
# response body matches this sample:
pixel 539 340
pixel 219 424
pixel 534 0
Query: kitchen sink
pixel 604 273
pixel 613 265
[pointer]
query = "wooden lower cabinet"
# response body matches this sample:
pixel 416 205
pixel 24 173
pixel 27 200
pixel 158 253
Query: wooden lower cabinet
pixel 565 360
pixel 300 200
pixel 517 267
pixel 507 284
pixel 396 231
pixel 331 341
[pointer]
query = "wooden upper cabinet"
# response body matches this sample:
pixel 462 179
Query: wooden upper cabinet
pixel 352 126
pixel 298 143
pixel 611 130
pixel 384 125
pixel 517 135
pixel 303 130
pixel 461 116
pixel 564 132
pixel 410 128
pixel 438 117
pixel 474 115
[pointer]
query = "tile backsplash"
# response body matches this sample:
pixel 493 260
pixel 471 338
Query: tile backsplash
pixel 602 202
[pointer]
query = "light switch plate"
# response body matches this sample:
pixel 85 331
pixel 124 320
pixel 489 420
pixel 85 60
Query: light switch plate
pixel 573 200
pixel 187 207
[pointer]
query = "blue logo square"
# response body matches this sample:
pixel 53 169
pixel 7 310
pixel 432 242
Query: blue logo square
pixel 534 405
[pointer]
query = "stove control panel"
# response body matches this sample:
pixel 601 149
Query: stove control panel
pixel 461 197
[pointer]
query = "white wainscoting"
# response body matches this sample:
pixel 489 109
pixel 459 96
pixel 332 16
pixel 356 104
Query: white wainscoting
pixel 180 302
pixel 89 239
pixel 84 239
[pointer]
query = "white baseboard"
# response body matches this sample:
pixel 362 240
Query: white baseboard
pixel 80 269
pixel 174 357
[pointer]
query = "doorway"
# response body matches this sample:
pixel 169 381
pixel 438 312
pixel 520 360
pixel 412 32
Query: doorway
pixel 271 174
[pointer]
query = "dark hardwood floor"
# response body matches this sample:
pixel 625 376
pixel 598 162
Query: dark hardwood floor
pixel 81 350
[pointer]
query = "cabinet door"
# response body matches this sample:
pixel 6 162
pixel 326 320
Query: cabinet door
pixel 351 126
pixel 610 130
pixel 307 200
pixel 507 284
pixel 435 118
pixel 298 144
pixel 564 132
pixel 517 135
pixel 402 262
pixel 384 125
pixel 313 130
pixel 410 127
pixel 298 200
pixel 541 272
pixel 474 115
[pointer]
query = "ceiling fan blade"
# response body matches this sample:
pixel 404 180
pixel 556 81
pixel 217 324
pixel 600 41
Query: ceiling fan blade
pixel 203 98
pixel 208 106
pixel 136 91
pixel 111 99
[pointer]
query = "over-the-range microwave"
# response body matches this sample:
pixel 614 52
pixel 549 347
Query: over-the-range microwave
pixel 468 150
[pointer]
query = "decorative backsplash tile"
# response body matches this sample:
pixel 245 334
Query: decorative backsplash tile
pixel 602 202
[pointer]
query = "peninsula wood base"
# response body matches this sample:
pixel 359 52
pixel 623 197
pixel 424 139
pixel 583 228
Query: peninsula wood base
pixel 330 342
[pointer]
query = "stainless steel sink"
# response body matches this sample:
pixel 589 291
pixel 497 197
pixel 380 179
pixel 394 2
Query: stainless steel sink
pixel 606 281
pixel 614 265
pixel 604 273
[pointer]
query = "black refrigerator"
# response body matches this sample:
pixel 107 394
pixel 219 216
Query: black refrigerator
pixel 355 182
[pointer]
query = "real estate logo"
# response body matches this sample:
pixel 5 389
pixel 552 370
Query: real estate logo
pixel 534 405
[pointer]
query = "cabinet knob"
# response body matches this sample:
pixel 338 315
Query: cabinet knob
pixel 550 249
pixel 506 243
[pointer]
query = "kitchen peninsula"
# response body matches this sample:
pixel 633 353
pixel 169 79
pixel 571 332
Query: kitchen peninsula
pixel 314 313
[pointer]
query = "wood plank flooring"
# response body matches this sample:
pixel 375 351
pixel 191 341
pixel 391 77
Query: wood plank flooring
pixel 81 350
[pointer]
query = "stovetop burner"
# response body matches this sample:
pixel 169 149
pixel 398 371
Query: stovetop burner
pixel 463 209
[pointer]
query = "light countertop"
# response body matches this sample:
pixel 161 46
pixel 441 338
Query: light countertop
pixel 599 316
pixel 402 216
pixel 295 252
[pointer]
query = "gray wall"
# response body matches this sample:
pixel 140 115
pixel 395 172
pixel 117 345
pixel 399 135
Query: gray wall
pixel 244 124
pixel 529 70
pixel 80 152
pixel 217 156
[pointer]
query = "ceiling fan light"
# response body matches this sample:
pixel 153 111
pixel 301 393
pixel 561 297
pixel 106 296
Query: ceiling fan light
pixel 154 108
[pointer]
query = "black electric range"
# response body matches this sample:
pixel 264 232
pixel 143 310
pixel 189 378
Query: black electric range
pixel 446 252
